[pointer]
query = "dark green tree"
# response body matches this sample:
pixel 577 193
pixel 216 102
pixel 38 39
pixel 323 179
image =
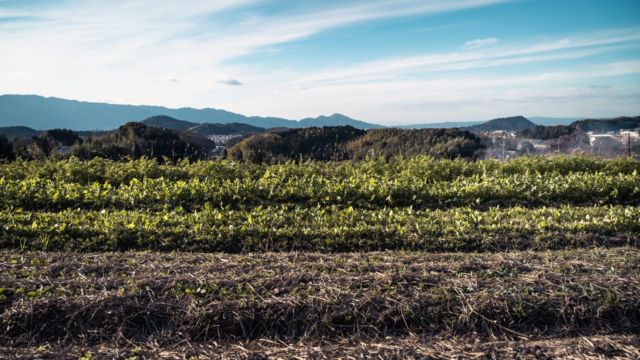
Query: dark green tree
pixel 43 145
pixel 6 148
pixel 64 137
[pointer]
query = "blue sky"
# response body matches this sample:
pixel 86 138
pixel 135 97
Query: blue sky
pixel 387 62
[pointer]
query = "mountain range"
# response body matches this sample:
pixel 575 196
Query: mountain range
pixel 40 112
pixel 536 120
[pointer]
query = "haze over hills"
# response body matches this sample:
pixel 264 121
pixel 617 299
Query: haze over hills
pixel 545 121
pixel 442 125
pixel 168 122
pixel 202 129
pixel 508 124
pixel 29 115
pixel 20 131
pixel 225 129
pixel 39 112
pixel 551 121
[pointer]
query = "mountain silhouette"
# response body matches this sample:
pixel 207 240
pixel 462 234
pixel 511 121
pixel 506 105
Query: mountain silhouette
pixel 40 112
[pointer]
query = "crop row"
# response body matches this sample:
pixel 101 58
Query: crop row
pixel 425 168
pixel 363 191
pixel 134 298
pixel 322 229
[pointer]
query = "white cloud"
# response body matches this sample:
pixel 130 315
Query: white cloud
pixel 17 75
pixel 478 43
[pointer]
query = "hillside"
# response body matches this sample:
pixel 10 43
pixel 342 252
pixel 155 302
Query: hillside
pixel 335 120
pixel 27 132
pixel 21 131
pixel 167 122
pixel 604 125
pixel 550 121
pixel 578 128
pixel 225 129
pixel 448 143
pixel 160 121
pixel 319 143
pixel 546 121
pixel 349 143
pixel 41 113
pixel 514 123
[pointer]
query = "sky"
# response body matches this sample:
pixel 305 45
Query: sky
pixel 385 62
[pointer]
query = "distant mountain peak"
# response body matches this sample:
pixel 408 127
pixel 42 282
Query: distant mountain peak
pixel 336 120
pixel 513 123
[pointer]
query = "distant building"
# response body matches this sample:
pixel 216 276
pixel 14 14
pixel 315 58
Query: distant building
pixel 540 145
pixel 595 137
pixel 537 144
pixel 623 136
pixel 502 133
pixel 630 133
pixel 222 139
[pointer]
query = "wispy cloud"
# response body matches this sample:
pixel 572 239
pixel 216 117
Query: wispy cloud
pixel 496 56
pixel 474 97
pixel 227 81
pixel 478 43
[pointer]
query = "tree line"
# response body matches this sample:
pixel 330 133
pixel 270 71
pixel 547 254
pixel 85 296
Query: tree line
pixel 339 143
pixel 132 140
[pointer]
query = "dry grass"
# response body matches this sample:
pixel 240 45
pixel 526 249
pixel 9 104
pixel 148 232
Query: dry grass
pixel 173 302
pixel 416 347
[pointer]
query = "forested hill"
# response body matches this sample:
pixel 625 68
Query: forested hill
pixel 19 131
pixel 168 122
pixel 133 139
pixel 319 143
pixel 578 128
pixel 348 143
pixel 202 129
pixel 515 123
pixel 225 129
pixel 439 143
pixel 604 125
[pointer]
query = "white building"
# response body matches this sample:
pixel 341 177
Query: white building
pixel 537 144
pixel 623 135
pixel 502 133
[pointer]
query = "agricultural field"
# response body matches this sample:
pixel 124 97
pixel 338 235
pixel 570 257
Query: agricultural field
pixel 412 259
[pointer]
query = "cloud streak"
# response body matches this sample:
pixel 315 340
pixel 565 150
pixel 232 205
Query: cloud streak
pixel 478 43
pixel 486 57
